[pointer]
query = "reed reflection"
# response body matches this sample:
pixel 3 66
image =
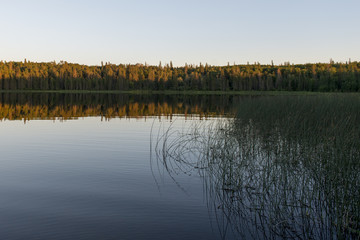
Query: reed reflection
pixel 284 167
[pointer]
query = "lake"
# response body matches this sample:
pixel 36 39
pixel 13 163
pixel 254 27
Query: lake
pixel 122 166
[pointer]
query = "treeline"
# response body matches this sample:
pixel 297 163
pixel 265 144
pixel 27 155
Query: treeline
pixel 20 106
pixel 68 76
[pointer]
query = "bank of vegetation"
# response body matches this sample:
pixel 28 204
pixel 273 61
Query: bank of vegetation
pixel 284 168
pixel 332 77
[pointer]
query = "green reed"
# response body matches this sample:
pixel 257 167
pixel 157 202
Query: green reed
pixel 283 167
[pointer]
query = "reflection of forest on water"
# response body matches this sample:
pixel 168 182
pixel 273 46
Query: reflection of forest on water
pixel 284 167
pixel 17 106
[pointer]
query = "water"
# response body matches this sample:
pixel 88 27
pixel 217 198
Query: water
pixel 169 167
pixel 91 179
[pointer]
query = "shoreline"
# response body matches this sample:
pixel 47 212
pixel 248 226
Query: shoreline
pixel 176 92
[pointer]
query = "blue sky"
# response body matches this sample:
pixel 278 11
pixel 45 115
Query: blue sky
pixel 216 32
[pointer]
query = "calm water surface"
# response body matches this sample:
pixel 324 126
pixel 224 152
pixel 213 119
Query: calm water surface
pixel 103 166
pixel 92 179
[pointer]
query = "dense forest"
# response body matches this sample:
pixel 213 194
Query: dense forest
pixel 344 77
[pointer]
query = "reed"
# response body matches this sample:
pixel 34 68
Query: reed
pixel 283 167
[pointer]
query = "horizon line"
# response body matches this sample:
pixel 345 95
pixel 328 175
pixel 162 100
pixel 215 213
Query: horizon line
pixel 285 63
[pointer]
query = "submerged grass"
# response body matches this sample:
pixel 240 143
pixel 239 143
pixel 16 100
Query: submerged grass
pixel 284 167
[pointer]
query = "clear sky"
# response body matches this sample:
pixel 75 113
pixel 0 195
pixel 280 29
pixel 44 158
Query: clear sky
pixel 216 32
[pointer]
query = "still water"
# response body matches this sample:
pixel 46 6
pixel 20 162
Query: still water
pixel 179 167
pixel 92 177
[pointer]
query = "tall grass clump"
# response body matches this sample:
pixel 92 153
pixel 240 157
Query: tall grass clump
pixel 283 167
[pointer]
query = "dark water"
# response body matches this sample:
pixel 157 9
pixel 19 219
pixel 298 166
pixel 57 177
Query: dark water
pixel 98 166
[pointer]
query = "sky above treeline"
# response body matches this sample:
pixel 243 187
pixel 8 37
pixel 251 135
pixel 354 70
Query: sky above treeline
pixel 206 31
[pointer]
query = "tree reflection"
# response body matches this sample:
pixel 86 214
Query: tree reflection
pixel 284 167
pixel 21 106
